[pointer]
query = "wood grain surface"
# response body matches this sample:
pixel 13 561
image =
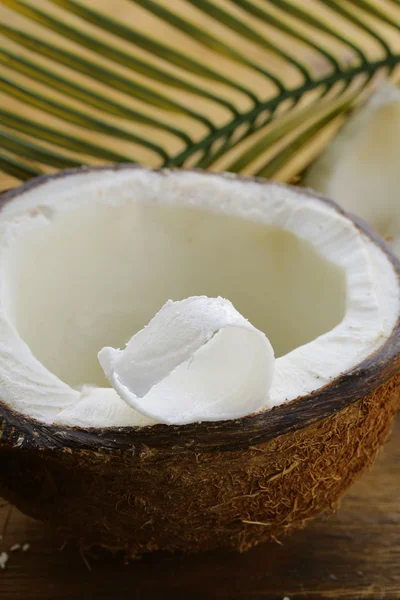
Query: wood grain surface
pixel 352 555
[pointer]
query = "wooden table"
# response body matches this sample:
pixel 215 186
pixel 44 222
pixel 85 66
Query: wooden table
pixel 350 556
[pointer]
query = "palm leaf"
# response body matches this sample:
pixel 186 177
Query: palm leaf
pixel 243 85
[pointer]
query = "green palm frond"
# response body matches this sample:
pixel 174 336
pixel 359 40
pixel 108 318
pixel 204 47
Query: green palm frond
pixel 239 85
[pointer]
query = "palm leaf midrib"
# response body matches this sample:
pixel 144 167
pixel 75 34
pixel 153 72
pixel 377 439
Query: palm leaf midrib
pixel 389 62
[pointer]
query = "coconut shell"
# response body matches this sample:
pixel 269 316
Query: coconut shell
pixel 196 487
pixel 145 498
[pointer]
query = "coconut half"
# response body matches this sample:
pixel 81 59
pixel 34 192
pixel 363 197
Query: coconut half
pixel 360 167
pixel 193 430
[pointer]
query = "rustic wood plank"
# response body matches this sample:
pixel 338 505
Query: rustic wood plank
pixel 350 556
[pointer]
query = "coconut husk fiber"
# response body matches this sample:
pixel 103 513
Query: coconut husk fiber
pixel 143 499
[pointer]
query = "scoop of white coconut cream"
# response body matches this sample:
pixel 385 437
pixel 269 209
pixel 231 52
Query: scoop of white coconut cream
pixel 198 359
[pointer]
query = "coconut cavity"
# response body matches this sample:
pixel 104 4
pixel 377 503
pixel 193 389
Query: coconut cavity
pixel 93 277
pixel 87 260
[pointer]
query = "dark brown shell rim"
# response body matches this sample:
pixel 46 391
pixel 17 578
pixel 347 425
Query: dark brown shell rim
pixel 240 433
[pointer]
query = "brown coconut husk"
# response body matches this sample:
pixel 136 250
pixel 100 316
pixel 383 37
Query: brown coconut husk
pixel 143 499
pixel 196 487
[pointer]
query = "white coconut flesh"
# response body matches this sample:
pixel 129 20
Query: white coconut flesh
pixel 198 359
pixel 88 259
pixel 360 168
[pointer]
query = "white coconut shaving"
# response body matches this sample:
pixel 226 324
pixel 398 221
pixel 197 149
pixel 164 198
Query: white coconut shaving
pixel 15 547
pixel 3 560
pixel 360 168
pixel 197 360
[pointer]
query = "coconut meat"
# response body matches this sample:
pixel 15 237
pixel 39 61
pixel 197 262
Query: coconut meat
pixel 360 167
pixel 88 258
pixel 197 360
